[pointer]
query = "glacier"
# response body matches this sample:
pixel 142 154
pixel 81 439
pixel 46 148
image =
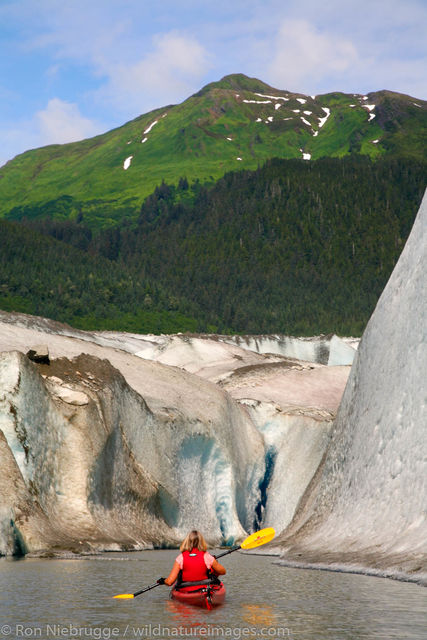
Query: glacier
pixel 126 441
pixel 365 509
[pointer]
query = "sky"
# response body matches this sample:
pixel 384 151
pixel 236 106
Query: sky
pixel 70 69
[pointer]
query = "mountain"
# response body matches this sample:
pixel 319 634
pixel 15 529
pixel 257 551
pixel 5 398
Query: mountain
pixel 236 123
pixel 294 247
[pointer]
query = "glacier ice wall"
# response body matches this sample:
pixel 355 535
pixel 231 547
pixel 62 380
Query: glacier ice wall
pixel 367 504
pixel 87 464
pixel 328 350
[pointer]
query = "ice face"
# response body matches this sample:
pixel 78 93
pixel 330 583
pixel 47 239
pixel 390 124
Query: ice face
pixel 206 482
pixel 340 352
pixel 370 498
pixel 321 349
pixel 106 467
pixel 294 446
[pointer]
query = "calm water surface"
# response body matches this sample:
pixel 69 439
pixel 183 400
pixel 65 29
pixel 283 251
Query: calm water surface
pixel 73 599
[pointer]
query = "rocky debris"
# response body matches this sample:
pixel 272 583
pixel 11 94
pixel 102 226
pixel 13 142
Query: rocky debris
pixel 67 394
pixel 39 354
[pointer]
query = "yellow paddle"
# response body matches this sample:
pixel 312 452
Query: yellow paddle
pixel 126 596
pixel 251 542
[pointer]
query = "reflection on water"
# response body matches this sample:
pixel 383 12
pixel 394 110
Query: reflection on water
pixel 182 614
pixel 73 598
pixel 261 615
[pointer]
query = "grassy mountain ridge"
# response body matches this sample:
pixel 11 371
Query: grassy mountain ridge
pixel 236 123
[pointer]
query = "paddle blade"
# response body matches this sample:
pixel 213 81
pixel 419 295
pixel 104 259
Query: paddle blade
pixel 124 596
pixel 258 538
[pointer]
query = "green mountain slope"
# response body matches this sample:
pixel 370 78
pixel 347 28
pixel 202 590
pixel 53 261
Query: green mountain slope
pixel 236 123
pixel 293 247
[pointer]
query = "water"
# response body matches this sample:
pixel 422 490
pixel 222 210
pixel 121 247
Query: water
pixel 42 598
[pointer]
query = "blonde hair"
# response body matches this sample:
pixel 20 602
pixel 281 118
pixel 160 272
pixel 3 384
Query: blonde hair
pixel 193 540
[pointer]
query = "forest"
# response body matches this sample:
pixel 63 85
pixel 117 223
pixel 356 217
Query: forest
pixel 293 247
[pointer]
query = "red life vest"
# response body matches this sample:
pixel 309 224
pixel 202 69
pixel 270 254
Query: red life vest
pixel 194 567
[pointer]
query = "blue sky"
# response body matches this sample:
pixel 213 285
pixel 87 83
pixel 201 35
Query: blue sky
pixel 70 69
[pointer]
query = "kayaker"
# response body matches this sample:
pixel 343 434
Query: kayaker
pixel 194 562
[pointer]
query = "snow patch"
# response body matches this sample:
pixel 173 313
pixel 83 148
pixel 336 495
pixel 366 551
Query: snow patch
pixel 323 120
pixel 308 113
pixel 238 158
pixel 144 140
pixel 127 162
pixel 262 95
pixel 277 105
pixel 258 120
pixel 148 129
pixel 305 121
pixel 258 101
pixel 417 105
pixel 287 118
pixel 302 100
pixel 296 110
pixel 315 134
pixel 375 141
pixel 370 108
pixel 306 156
pixel 229 138
pixel 270 118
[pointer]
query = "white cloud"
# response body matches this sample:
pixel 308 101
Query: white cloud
pixel 168 73
pixel 62 122
pixel 304 56
pixel 134 66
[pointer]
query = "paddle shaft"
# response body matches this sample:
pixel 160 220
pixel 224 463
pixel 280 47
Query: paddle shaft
pixel 152 586
pixel 225 553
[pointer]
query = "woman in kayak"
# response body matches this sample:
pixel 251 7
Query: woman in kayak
pixel 194 561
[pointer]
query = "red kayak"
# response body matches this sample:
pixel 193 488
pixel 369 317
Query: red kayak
pixel 207 596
